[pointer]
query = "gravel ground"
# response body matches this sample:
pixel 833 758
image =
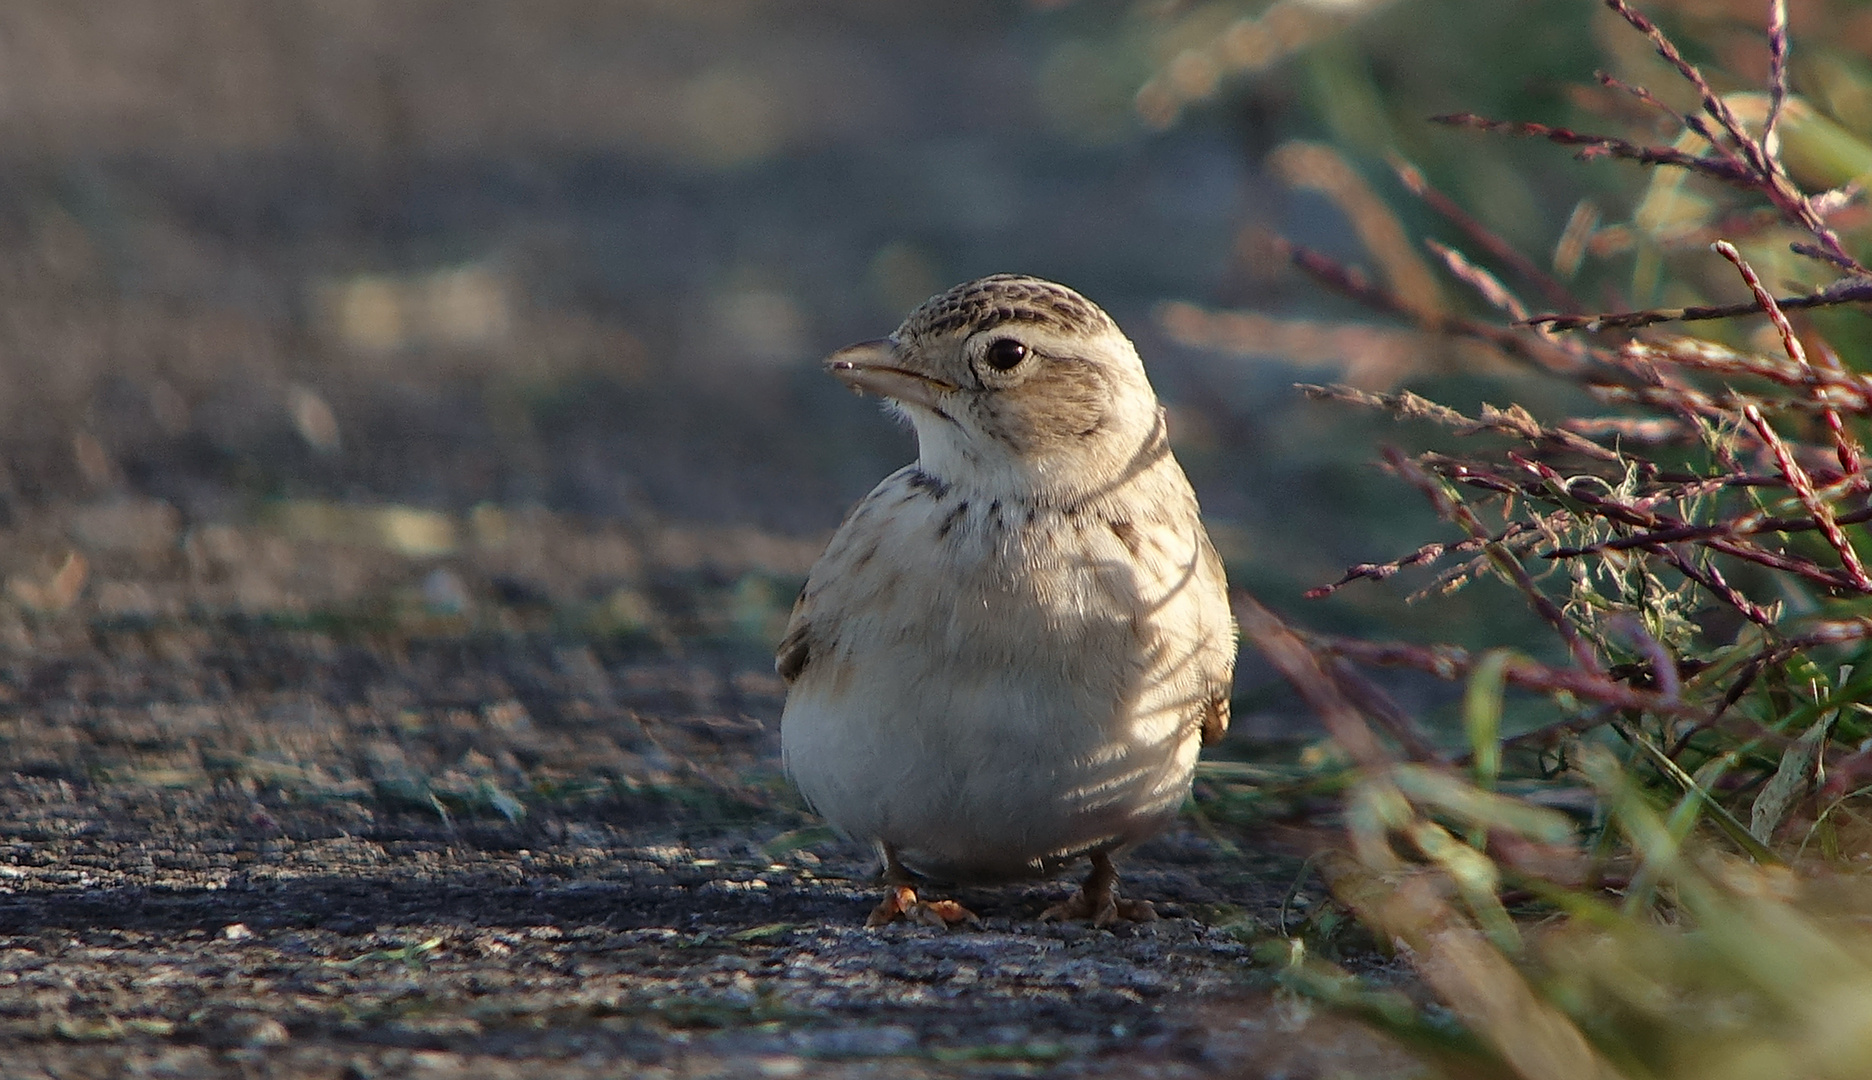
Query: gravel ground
pixel 471 828
pixel 362 955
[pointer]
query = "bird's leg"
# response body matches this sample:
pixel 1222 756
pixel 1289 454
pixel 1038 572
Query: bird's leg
pixel 1097 900
pixel 900 900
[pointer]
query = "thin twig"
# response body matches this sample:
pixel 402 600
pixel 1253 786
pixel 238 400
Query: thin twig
pixel 1514 421
pixel 1844 448
pixel 1554 490
pixel 1688 121
pixel 1769 177
pixel 1486 285
pixel 1815 251
pixel 1853 290
pixel 1633 430
pixel 1712 581
pixel 1296 662
pixel 1450 508
pixel 1714 105
pixel 1426 554
pixel 1720 410
pixel 1358 286
pixel 1372 700
pixel 1830 387
pixel 1592 146
pixel 1677 534
pixel 1520 544
pixel 1777 73
pixel 1802 484
pixel 1750 671
pixel 1483 236
pixel 1452 663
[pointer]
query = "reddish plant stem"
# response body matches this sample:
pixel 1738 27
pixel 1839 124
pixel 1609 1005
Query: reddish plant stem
pixel 1428 553
pixel 1354 284
pixel 1291 656
pixel 1631 515
pixel 1712 104
pixel 1821 512
pixel 1606 146
pixel 1712 580
pixel 1853 290
pixel 1485 284
pixel 1843 447
pixel 1452 509
pixel 1777 74
pixel 1451 663
pixel 1514 421
pixel 1763 172
pixel 1699 533
pixel 1484 237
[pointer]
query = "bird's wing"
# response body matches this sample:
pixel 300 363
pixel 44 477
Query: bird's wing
pixel 813 630
pixel 1215 719
pixel 1218 659
pixel 796 648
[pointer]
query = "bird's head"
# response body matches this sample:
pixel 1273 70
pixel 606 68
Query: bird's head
pixel 1016 386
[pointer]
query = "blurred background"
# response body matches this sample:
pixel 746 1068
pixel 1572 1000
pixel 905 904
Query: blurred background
pixel 498 308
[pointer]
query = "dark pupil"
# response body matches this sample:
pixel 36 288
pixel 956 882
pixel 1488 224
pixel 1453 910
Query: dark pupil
pixel 1005 353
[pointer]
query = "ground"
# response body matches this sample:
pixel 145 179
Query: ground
pixel 291 800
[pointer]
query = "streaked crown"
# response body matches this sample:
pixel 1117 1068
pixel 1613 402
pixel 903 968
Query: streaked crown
pixel 985 303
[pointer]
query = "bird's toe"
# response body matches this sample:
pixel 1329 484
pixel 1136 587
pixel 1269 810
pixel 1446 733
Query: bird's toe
pixel 1076 908
pixel 901 902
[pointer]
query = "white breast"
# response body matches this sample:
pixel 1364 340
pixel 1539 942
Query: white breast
pixel 1018 689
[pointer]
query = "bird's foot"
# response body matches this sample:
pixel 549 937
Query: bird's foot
pixel 1097 900
pixel 1100 911
pixel 901 902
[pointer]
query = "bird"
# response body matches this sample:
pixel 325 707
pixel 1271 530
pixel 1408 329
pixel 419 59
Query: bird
pixel 1011 650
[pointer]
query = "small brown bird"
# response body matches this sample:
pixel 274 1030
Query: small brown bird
pixel 1011 650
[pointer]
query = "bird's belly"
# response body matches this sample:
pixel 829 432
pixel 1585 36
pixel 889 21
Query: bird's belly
pixel 988 771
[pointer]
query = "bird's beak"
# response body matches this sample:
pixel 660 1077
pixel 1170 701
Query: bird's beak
pixel 872 367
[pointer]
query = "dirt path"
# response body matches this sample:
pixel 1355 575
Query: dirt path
pixel 130 941
pixel 384 842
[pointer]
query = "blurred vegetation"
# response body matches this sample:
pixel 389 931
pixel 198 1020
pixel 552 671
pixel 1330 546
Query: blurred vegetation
pixel 1648 860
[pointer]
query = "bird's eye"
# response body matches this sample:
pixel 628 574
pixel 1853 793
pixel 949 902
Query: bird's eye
pixel 1002 355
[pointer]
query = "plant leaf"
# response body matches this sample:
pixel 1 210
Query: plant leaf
pixel 1790 778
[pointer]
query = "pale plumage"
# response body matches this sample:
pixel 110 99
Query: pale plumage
pixel 1011 650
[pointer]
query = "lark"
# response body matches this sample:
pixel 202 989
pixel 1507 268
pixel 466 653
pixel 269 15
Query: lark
pixel 1011 651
